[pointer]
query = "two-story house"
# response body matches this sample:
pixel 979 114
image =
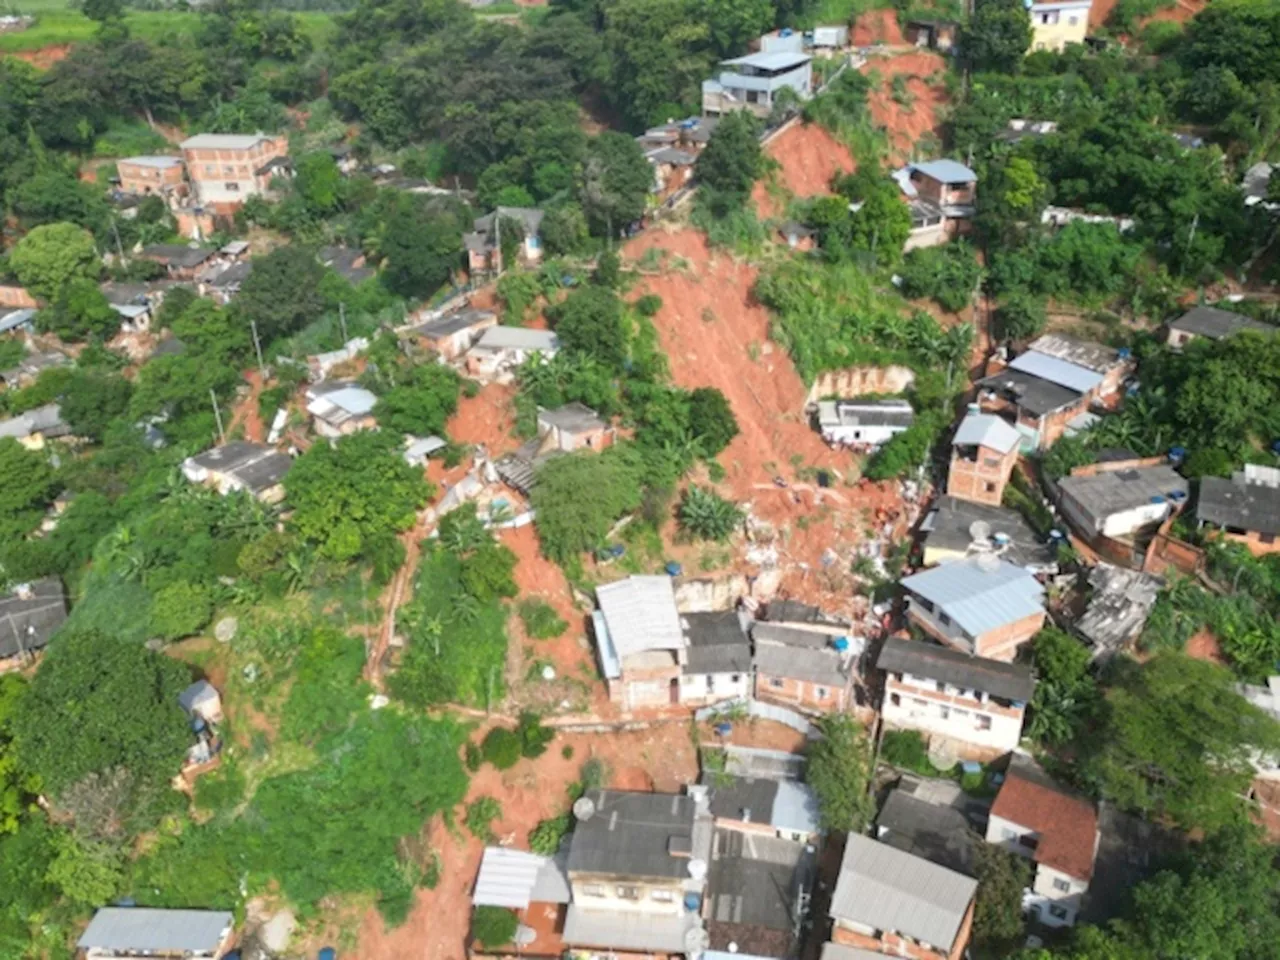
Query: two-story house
pixel 152 175
pixel 1058 830
pixel 981 605
pixel 640 641
pixel 753 82
pixel 1244 509
pixel 984 452
pixel 768 806
pixel 575 426
pixel 954 529
pixel 634 860
pixel 1056 24
pixel 942 195
pixel 888 901
pixel 226 168
pixel 977 703
pixel 808 670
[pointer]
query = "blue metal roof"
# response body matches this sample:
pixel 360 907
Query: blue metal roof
pixel 1062 372
pixel 795 808
pixel 979 600
pixel 946 171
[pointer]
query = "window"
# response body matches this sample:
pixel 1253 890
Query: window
pixel 984 722
pixel 990 462
pixel 1073 20
pixel 593 890
pixel 736 678
pixel 662 896
pixel 232 186
pixel 944 712
pixel 626 892
pixel 944 619
pixel 960 713
pixel 918 703
pixel 989 487
pixel 1028 841
pixel 775 683
pixel 1061 886
pixel 822 693
pixel 895 699
pixel 1007 834
pixel 1060 913
pixel 942 687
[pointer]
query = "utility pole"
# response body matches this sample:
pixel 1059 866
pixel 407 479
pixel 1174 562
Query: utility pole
pixel 257 346
pixel 497 238
pixel 342 319
pixel 217 415
pixel 119 246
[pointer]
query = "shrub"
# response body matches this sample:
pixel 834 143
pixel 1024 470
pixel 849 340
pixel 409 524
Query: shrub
pixel 493 926
pixel 1020 316
pixel 706 515
pixel 472 756
pixel 545 838
pixel 502 748
pixel 181 609
pixel 481 813
pixel 541 622
pixel 948 274
pixel 648 305
pixel 906 749
pixel 595 773
pixel 533 736
pixel 567 752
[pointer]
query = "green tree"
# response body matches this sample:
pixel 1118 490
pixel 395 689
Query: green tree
pixel 706 515
pixel 731 162
pixel 421 249
pixel 18 787
pixel 948 274
pixel 1065 695
pixel 50 256
pixel 181 609
pixel 883 222
pixel 564 230
pixel 570 521
pixel 712 420
pixel 424 404
pixel 79 312
pixel 27 485
pixel 318 182
pixel 501 748
pixel 590 321
pixel 1020 316
pixel 347 496
pixel 88 872
pixel 615 182
pixel 997 911
pixel 997 36
pixel 733 24
pixel 282 294
pixel 98 703
pixel 493 926
pixel 1179 742
pixel 838 770
pixel 92 400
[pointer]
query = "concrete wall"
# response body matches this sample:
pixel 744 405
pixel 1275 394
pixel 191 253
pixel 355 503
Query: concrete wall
pixel 617 894
pixel 703 688
pixel 892 943
pixel 860 381
pixel 999 644
pixel 921 706
pixel 1044 892
pixel 801 694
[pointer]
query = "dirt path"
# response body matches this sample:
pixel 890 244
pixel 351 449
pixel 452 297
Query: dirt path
pixel 397 593
pixel 246 412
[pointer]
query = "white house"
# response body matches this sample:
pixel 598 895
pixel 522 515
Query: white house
pixel 865 424
pixel 1119 500
pixel 718 662
pixel 976 702
pixel 339 408
pixel 1036 818
pixel 502 349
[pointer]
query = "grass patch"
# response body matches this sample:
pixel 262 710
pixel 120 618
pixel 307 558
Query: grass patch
pixel 57 25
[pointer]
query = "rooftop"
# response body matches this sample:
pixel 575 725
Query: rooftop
pixel 572 418
pixel 530 219
pixel 628 932
pixel 30 615
pixel 1082 353
pixel 640 614
pixel 516 878
pixel 341 397
pixel 1114 491
pixel 1215 324
pixel 147 930
pixel 153 161
pixel 986 430
pixel 177 255
pixel 950 525
pixel 891 890
pixel 223 141
pixel 46 421
pixel 1119 606
pixel 640 835
pixel 1034 394
pixel 1062 372
pixel 978 594
pixel 517 338
pixel 452 323
pixel 876 413
pixel 1067 824
pixel 939 834
pixel 1008 681
pixel 754 889
pixel 717 643
pixel 800 655
pixel 946 171
pixel 256 466
pixel 772 62
pixel 1245 506
pixel 793 611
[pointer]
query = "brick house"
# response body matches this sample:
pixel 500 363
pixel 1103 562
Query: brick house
pixel 1244 509
pixel 161 176
pixel 975 702
pixel 983 455
pixel 803 669
pixel 1036 818
pixel 942 195
pixel 453 334
pixel 982 605
pixel 484 243
pixel 888 901
pixel 226 168
pixel 181 262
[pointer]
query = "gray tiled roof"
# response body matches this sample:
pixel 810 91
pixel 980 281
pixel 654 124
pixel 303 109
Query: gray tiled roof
pixel 979 599
pixel 717 643
pixel 1033 394
pixel 800 663
pixel 887 889
pixel 1113 491
pixel 755 880
pixel 1248 506
pixel 628 931
pixel 1215 324
pixel 572 417
pixel 27 623
pixel 948 527
pixel 741 798
pixel 939 834
pixel 632 834
pixel 142 929
pixel 1009 681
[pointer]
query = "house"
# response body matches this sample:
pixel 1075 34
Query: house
pixel 33 428
pixel 806 670
pixel 202 701
pixel 1112 364
pixel 1042 821
pixel 954 529
pixel 30 614
pixel 982 605
pixel 452 334
pixel 1120 601
pixel 227 168
pixel 984 452
pixel 1256 185
pixel 717 663
pixel 240 465
pixel 889 901
pixel 758 892
pixel 754 82
pixel 942 195
pixel 484 243
pixel 978 703
pixel 797 236
pixel 418 451
pixel 769 807
pixel 574 426
pixel 1020 129
pixel 181 262
pixel 1267 699
pixel 1040 408
pixel 1212 324
pixel 640 641
pixel 223 284
pixel 340 407
pixel 941 834
pixel 691 134
pixel 937 35
pixel 1059 217
pixel 863 425
pixel 18 321
pixel 500 350
pixel 151 932
pixel 1130 850
pixel 672 169
pixel 1119 499
pixel 1056 24
pixel 162 176
pixel 346 263
pixel 535 887
pixel 1244 509
pixel 31 366
pixel 787 40
pixel 634 860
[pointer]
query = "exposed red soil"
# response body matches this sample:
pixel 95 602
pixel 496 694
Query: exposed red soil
pixel 44 57
pixel 907 124
pixel 715 334
pixel 488 419
pixel 877 26
pixel 1180 12
pixel 661 758
pixel 1203 645
pixel 808 157
pixel 246 412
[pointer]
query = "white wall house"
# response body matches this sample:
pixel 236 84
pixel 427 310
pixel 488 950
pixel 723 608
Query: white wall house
pixel 868 424
pixel 1116 503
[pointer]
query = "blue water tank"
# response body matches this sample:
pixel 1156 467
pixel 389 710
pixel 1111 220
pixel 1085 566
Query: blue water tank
pixel 1177 453
pixel 1123 353
pixel 327 953
pixel 673 569
pixel 724 729
pixel 692 902
pixel 785 32
pixel 841 644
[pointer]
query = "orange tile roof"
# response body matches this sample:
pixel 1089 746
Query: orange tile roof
pixel 1067 824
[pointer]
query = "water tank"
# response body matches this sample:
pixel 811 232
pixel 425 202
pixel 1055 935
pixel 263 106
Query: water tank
pixel 673 569
pixel 693 902
pixel 1177 453
pixel 785 32
pixel 584 808
pixel 841 644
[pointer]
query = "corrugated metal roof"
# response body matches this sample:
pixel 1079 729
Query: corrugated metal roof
pixel 632 834
pixel 516 878
pixel 946 171
pixel 640 613
pixel 621 930
pixel 223 141
pixel 840 951
pixel 517 338
pixel 1249 506
pixel 778 60
pixel 16 318
pixel 139 929
pixel 1011 681
pixel 986 430
pixel 1062 372
pixel 979 600
pixel 795 807
pixel 888 889
pixel 604 643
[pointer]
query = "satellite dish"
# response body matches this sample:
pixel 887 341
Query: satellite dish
pixel 697 868
pixel 979 530
pixel 696 940
pixel 584 808
pixel 988 562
